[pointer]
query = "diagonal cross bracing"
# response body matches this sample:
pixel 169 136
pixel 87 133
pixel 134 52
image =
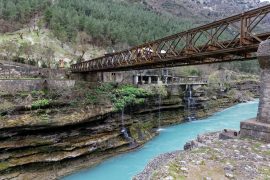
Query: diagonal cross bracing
pixel 235 38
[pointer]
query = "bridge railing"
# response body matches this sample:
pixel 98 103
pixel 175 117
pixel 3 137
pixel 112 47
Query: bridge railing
pixel 233 38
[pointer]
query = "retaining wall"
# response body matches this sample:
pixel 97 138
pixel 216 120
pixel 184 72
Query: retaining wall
pixel 15 70
pixel 14 86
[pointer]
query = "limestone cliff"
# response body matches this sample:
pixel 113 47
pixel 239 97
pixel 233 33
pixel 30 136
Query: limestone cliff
pixel 50 134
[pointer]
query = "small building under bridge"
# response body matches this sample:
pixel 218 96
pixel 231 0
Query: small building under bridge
pixel 149 78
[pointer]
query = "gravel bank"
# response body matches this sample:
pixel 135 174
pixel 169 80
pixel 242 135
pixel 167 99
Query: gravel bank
pixel 209 157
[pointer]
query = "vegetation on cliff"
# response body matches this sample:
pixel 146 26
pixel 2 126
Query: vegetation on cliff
pixel 128 95
pixel 120 97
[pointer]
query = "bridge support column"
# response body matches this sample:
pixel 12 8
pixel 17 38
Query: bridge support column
pixel 136 79
pixel 259 128
pixel 159 81
pixel 149 80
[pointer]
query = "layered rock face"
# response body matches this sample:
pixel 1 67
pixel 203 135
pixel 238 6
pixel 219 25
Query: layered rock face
pixel 34 146
pixel 57 139
pixel 29 144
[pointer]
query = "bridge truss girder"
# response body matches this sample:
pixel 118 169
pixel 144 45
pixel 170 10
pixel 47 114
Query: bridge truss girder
pixel 235 38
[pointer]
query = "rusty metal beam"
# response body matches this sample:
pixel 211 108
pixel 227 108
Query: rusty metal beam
pixel 231 39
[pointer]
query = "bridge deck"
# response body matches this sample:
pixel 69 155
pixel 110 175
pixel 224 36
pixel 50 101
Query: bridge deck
pixel 235 38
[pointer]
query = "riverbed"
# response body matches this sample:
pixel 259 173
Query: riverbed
pixel 125 166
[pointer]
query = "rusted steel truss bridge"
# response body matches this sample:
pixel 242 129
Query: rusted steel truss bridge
pixel 235 38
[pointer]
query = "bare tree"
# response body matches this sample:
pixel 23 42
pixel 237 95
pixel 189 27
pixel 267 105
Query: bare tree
pixel 21 35
pixel 9 48
pixel 83 40
pixel 28 50
pixel 49 55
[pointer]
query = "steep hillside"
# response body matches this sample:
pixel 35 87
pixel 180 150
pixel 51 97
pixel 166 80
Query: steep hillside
pixel 42 48
pixel 206 10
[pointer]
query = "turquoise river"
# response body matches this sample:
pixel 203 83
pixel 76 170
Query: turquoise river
pixel 125 166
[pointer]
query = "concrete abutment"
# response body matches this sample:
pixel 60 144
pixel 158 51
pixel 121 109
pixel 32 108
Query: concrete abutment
pixel 259 128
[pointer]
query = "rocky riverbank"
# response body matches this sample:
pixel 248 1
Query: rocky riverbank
pixel 212 156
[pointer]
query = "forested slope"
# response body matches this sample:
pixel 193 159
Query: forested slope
pixel 107 22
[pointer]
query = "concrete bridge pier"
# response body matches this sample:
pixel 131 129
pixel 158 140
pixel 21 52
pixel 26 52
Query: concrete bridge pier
pixel 259 128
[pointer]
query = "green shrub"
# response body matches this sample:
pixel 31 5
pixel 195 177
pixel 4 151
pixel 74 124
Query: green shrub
pixel 159 90
pixel 19 60
pixel 40 103
pixel 102 92
pixel 37 93
pixel 74 103
pixel 128 95
pixel 104 88
pixel 91 98
pixel 44 65
pixel 118 96
pixel 32 62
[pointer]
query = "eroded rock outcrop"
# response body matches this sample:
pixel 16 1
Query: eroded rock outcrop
pixel 65 139
pixel 52 141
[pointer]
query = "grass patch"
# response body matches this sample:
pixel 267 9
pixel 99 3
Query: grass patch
pixel 265 171
pixel 155 175
pixel 175 172
pixel 37 93
pixel 3 165
pixel 201 150
pixel 255 147
pixel 4 106
pixel 45 117
pixel 267 153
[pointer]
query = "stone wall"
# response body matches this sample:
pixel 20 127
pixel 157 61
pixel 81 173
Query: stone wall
pixel 14 70
pixel 116 77
pixel 14 86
